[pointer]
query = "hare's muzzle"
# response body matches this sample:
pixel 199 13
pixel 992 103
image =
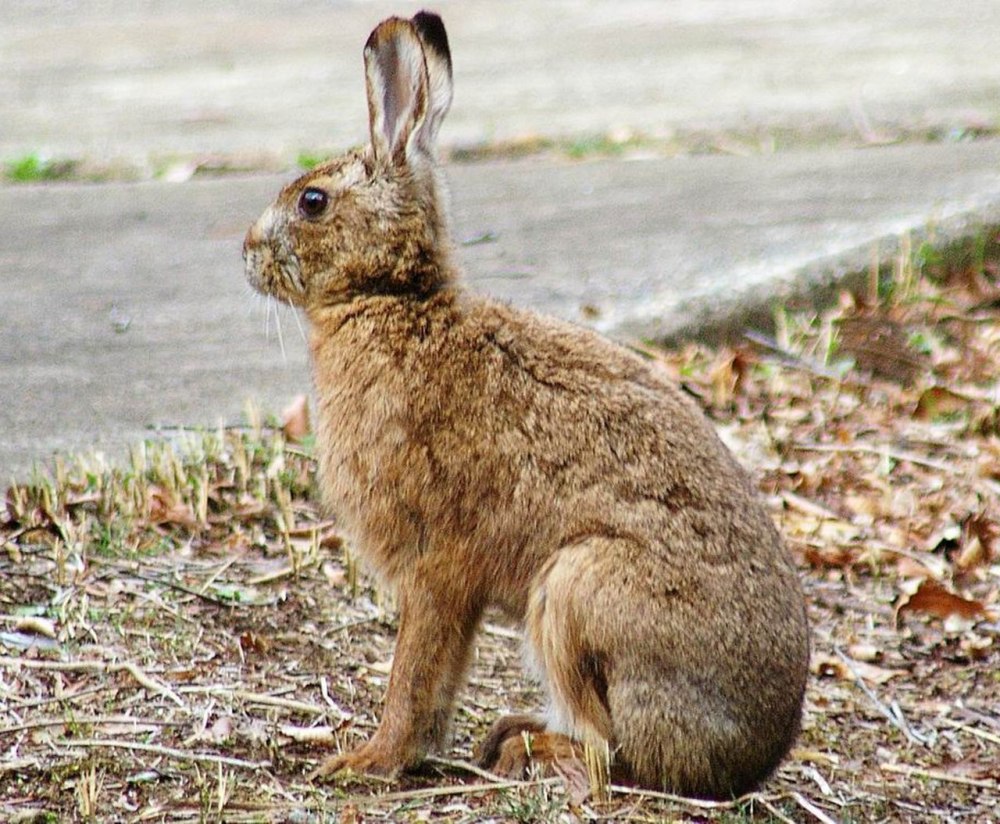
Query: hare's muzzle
pixel 256 256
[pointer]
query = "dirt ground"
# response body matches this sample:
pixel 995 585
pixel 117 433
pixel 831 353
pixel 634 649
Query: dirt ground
pixel 185 636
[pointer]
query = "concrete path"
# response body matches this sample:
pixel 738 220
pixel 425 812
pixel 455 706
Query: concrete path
pixel 124 304
pixel 266 78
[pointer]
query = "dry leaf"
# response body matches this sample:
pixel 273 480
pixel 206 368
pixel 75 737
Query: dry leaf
pixel 977 647
pixel 162 507
pixel 836 557
pixel 931 598
pixel 864 652
pixel 295 419
pixel 381 667
pixel 881 346
pixel 939 402
pixel 807 507
pixel 336 575
pixel 907 567
pixel 36 625
pixel 979 535
pixel 811 756
pixel 308 735
pixel 252 643
pixel 829 666
pixel 221 730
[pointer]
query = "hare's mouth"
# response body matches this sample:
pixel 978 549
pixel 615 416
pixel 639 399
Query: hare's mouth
pixel 277 276
pixel 257 260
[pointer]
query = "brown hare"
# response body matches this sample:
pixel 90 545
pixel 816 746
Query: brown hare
pixel 481 456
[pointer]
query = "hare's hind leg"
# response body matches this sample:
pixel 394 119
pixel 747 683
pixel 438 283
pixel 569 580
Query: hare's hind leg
pixel 518 742
pixel 570 666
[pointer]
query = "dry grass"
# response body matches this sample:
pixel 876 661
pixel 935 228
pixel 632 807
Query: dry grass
pixel 183 638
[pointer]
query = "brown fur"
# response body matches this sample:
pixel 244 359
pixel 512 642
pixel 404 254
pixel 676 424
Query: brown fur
pixel 483 456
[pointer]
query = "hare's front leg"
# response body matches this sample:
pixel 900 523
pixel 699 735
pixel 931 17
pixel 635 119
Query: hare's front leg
pixel 437 624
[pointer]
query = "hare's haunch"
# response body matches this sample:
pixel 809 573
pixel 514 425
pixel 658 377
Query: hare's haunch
pixel 481 456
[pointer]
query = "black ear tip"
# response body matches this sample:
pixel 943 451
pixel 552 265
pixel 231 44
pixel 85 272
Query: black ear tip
pixel 430 27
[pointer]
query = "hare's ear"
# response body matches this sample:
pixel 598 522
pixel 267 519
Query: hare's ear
pixel 438 57
pixel 397 85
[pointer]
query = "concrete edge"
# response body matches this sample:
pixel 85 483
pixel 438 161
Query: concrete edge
pixel 814 283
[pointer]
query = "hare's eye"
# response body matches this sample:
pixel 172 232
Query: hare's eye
pixel 313 202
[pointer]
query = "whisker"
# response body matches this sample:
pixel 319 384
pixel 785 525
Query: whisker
pixel 277 326
pixel 255 302
pixel 298 322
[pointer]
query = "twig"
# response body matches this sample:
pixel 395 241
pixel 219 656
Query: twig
pixel 149 683
pixel 700 803
pixel 167 752
pixel 895 718
pixel 96 666
pixel 215 575
pixel 807 507
pixel 812 809
pixel 357 622
pixel 58 666
pixel 881 452
pixel 95 720
pixel 460 789
pixel 957 725
pixel 18 764
pixel 132 569
pixel 822 783
pixel 204 596
pixel 271 577
pixel 789 358
pixel 263 698
pixel 935 775
pixel 774 811
pixel 464 766
pixel 63 699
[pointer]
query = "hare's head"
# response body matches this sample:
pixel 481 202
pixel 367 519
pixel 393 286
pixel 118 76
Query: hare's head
pixel 371 221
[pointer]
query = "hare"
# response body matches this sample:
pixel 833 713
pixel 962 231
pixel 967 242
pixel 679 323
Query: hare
pixel 481 456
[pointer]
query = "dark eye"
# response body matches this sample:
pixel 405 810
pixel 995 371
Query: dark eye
pixel 313 202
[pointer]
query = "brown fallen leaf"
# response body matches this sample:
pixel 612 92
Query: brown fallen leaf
pixel 979 536
pixel 939 402
pixel 881 346
pixel 829 666
pixel 977 647
pixel 162 507
pixel 931 598
pixel 253 644
pixel 836 557
pixel 295 419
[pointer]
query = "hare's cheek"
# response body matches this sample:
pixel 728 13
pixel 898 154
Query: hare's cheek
pixel 292 282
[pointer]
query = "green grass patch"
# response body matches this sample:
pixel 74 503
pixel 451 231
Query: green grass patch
pixel 35 168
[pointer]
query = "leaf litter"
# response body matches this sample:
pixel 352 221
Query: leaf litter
pixel 185 636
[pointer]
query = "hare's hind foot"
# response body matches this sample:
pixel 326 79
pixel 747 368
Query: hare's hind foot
pixel 517 744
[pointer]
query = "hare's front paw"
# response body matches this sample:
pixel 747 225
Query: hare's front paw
pixel 369 759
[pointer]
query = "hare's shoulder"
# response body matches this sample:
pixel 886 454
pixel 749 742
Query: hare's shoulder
pixel 562 355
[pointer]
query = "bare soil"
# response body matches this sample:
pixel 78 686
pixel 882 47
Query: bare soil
pixel 184 637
